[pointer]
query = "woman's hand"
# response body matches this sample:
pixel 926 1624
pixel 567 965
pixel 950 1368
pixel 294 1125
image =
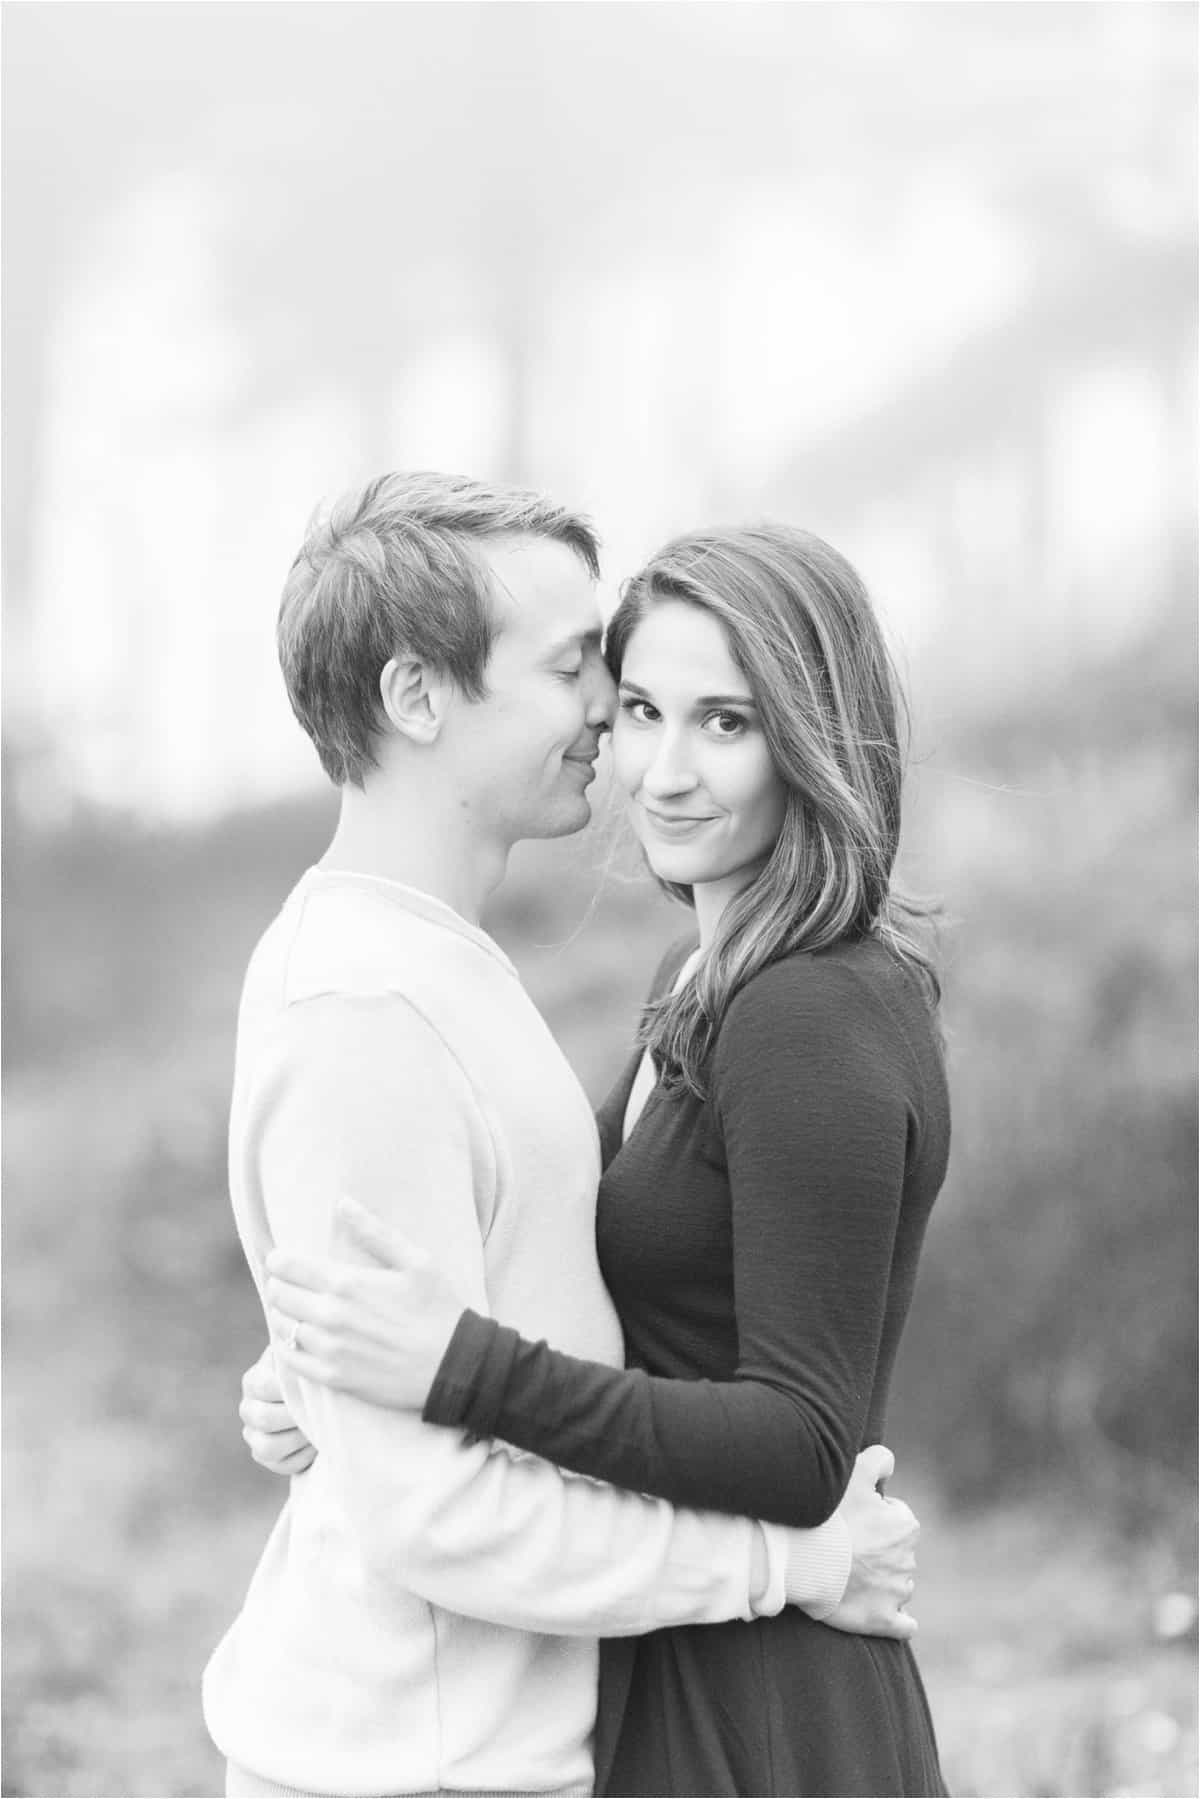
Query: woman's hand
pixel 276 1442
pixel 377 1332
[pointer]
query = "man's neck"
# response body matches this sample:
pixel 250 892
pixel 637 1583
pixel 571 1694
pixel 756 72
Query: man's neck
pixel 434 849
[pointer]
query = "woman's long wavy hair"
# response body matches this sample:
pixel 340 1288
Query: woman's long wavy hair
pixel 802 630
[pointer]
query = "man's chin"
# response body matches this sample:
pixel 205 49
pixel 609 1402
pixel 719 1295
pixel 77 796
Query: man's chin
pixel 565 820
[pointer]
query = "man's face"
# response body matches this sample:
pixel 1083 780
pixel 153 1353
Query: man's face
pixel 527 750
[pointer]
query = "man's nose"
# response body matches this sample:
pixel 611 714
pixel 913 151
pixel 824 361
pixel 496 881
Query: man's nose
pixel 602 699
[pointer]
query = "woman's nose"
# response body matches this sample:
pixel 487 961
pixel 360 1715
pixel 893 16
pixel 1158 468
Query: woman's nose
pixel 669 769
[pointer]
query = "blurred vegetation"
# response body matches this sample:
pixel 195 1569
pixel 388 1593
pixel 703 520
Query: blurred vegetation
pixel 1045 1405
pixel 1056 1271
pixel 1044 1411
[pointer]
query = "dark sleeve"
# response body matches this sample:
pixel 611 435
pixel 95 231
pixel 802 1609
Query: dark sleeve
pixel 813 1095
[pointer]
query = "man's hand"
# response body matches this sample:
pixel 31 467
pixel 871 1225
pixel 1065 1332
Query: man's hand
pixel 275 1441
pixel 883 1536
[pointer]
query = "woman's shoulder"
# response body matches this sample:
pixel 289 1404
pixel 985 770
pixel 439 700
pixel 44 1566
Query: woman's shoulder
pixel 854 994
pixel 818 977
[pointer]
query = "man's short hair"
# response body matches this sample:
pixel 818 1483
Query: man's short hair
pixel 392 570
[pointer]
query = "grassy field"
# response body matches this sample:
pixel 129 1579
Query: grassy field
pixel 133 1517
pixel 1044 1409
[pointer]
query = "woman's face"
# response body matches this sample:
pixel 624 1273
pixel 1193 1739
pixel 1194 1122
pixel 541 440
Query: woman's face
pixel 688 749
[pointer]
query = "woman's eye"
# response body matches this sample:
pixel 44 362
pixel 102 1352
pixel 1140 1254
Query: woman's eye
pixel 640 711
pixel 726 724
pixel 570 674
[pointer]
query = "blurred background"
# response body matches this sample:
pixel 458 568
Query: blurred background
pixel 921 278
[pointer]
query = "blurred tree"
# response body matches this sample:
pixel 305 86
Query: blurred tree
pixel 480 152
pixel 1055 1262
pixel 383 174
pixel 445 164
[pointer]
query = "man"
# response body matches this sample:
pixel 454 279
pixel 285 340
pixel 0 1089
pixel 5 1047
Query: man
pixel 426 1612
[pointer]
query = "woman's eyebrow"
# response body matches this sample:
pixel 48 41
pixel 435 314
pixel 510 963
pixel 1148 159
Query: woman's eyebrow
pixel 705 699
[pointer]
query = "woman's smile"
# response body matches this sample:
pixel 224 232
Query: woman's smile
pixel 676 827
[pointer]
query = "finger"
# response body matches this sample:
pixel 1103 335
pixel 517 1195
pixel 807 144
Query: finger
pixel 901 1555
pixel 879 1463
pixel 905 1520
pixel 385 1245
pixel 310 1365
pixel 270 1420
pixel 301 1339
pixel 900 1626
pixel 264 1449
pixel 297 1305
pixel 279 1458
pixel 289 1443
pixel 265 1415
pixel 262 1380
pixel 302 1271
pixel 295 1463
pixel 299 1461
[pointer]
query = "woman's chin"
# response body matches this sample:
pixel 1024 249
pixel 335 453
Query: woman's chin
pixel 679 868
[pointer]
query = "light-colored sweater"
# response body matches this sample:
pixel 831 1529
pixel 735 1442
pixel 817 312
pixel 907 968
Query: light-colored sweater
pixel 425 1613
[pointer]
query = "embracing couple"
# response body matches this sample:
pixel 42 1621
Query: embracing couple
pixel 583 1414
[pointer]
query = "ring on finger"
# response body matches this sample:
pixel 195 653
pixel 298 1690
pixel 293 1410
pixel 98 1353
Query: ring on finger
pixel 292 1336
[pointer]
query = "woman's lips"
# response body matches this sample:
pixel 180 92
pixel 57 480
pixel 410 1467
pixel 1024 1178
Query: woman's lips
pixel 676 827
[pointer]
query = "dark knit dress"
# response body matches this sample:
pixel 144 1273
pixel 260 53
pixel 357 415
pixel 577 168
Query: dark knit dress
pixel 761 1249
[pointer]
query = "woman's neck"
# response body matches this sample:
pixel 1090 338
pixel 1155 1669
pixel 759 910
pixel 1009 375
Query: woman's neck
pixel 710 899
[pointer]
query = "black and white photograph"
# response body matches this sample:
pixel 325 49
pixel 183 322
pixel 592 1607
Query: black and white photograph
pixel 600 898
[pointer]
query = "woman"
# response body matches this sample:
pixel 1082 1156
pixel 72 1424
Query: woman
pixel 771 1155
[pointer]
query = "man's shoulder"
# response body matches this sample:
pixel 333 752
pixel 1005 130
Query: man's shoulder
pixel 337 999
pixel 335 943
pixel 344 944
pixel 333 985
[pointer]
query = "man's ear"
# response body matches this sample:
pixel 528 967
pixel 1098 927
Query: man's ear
pixel 415 698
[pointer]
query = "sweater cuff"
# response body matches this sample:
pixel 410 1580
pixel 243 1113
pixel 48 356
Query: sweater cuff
pixel 816 1565
pixel 468 1388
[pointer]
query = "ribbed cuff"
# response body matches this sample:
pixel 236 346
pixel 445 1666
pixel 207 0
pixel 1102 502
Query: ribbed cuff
pixel 240 1783
pixel 468 1388
pixel 816 1564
